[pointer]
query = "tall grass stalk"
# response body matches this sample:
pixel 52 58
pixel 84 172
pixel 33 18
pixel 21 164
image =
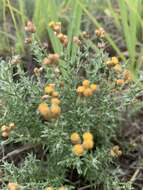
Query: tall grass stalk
pixel 19 34
pixel 131 23
pixel 98 25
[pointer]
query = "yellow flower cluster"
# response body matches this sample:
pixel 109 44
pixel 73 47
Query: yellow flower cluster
pixel 54 111
pixel 51 59
pixel 5 130
pixel 87 144
pixel 126 75
pixel 86 89
pixel 56 27
pixel 113 61
pixel 100 33
pixel 50 90
pixel 115 151
pixel 117 68
pixel 13 186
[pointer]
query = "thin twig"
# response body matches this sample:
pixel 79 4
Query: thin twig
pixel 85 187
pixel 133 178
pixel 18 151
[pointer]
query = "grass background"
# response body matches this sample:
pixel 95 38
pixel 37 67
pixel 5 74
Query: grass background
pixel 126 15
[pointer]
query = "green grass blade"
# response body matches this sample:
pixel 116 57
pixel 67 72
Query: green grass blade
pixel 74 28
pixel 50 15
pixel 97 24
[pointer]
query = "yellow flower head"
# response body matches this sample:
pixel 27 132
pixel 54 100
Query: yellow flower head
pixel 44 110
pixel 87 136
pixel 88 92
pixel 100 33
pixel 78 150
pixel 115 151
pixel 52 85
pixel 55 111
pixel 114 60
pixel 49 89
pixel 75 138
pixel 109 63
pixel 86 83
pixel 55 94
pixel 80 90
pixel 117 68
pixel 93 87
pixel 13 186
pixel 88 144
pixel 55 101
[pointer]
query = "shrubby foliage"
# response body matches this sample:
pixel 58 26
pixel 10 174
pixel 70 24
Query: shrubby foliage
pixel 53 114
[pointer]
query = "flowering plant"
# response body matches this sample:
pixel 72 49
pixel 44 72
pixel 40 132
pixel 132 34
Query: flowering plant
pixel 68 111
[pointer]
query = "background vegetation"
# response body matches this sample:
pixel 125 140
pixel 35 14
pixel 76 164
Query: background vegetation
pixel 21 90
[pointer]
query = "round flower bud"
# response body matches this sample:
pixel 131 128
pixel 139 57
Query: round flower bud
pixel 78 150
pixel 44 110
pixel 80 90
pixel 87 92
pixel 49 89
pixel 55 101
pixel 55 94
pixel 114 60
pixel 93 87
pixel 87 136
pixel 75 138
pixel 88 144
pixel 86 83
pixel 55 111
